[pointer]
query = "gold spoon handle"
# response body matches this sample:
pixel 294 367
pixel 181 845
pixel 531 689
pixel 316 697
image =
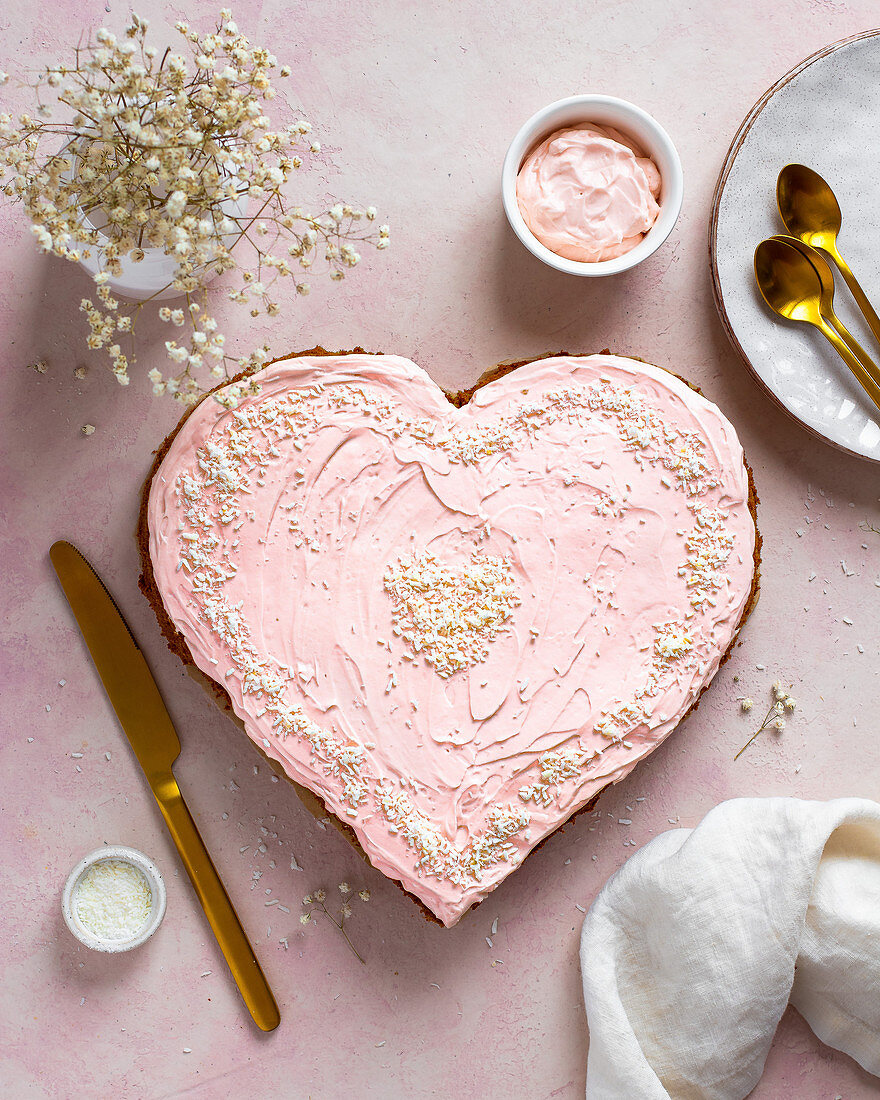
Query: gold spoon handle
pixel 857 292
pixel 854 346
pixel 218 908
pixel 865 380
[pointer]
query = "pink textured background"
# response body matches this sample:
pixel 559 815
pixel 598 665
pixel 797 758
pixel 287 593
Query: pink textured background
pixel 415 105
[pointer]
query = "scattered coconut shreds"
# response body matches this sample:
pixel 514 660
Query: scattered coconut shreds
pixel 488 941
pixel 206 973
pixel 382 1044
pixel 495 926
pixel 579 907
pixel 88 429
pixel 434 984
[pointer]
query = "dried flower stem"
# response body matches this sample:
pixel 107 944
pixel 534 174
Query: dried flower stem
pixel 317 901
pixel 340 924
pixel 774 718
pixel 764 725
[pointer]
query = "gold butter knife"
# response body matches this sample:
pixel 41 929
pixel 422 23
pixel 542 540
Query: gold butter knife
pixel 147 724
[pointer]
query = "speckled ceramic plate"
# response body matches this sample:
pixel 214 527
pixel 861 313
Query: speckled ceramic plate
pixel 823 114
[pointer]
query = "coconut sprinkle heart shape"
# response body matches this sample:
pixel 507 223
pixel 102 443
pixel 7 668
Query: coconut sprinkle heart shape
pixel 456 626
pixel 450 615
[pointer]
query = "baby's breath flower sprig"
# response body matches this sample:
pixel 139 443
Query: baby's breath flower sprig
pixel 774 719
pixel 174 152
pixel 316 902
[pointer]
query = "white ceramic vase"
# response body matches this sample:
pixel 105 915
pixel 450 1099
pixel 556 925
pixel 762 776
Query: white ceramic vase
pixel 151 277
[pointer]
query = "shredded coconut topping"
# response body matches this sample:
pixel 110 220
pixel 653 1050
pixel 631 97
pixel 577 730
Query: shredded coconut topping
pixel 437 855
pixel 673 657
pixel 672 642
pixel 449 614
pixel 556 767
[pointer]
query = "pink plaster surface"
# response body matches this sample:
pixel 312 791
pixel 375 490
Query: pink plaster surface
pixel 415 105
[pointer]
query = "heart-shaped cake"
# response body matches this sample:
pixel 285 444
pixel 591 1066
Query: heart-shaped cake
pixel 455 625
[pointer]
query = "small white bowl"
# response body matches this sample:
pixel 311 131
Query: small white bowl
pixel 603 110
pixel 157 891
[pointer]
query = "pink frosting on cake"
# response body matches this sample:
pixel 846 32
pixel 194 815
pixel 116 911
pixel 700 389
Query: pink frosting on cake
pixel 456 625
pixel 588 193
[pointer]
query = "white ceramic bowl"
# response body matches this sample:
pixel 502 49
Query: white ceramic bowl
pixel 157 890
pixel 604 110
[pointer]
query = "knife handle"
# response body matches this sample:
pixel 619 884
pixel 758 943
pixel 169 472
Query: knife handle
pixel 218 908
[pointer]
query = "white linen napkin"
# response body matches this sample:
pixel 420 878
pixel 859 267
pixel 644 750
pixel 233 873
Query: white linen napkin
pixel 692 950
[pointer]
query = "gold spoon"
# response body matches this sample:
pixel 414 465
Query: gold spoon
pixel 791 287
pixel 810 211
pixel 826 301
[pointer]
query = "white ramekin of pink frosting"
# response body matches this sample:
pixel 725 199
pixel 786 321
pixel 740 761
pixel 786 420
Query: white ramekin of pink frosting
pixel 592 185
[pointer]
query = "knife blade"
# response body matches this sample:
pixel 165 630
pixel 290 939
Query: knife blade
pixel 147 725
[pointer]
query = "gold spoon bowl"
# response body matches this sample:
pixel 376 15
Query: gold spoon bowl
pixel 811 212
pixel 792 287
pixel 826 301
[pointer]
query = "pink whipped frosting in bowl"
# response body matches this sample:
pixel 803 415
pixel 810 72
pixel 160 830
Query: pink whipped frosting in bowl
pixel 592 185
pixel 588 193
